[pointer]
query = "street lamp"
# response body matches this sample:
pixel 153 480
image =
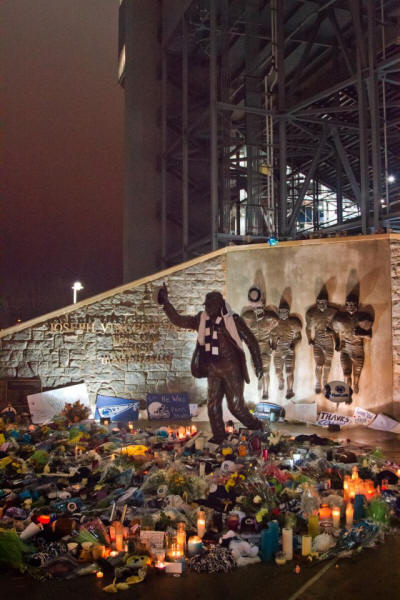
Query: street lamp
pixel 76 288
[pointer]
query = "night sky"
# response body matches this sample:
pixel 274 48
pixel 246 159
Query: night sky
pixel 61 160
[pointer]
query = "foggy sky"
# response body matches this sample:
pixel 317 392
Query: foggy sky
pixel 61 148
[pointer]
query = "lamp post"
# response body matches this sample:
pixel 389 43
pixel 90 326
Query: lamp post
pixel 76 288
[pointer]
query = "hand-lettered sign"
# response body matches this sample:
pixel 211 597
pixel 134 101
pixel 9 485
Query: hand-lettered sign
pixel 168 406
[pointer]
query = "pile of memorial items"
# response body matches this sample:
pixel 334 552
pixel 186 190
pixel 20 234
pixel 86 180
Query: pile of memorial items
pixel 86 498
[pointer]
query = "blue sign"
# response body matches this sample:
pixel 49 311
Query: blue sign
pixel 168 406
pixel 116 409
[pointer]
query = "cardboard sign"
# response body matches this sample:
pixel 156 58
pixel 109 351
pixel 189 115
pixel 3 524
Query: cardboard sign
pixel 362 416
pixel 46 405
pixel 121 410
pixel 327 418
pixel 168 406
pixel 152 538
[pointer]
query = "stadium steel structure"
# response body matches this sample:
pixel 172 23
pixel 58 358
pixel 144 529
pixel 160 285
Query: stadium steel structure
pixel 277 118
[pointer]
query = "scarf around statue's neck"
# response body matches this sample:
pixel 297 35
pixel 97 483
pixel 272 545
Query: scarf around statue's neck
pixel 207 335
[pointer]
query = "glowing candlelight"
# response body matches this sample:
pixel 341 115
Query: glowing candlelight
pixel 201 523
pixel 99 574
pixel 181 536
pixel 44 519
pixel 195 545
pixel 325 513
pixel 336 516
pixel 349 514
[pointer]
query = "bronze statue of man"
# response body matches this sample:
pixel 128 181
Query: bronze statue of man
pixel 219 344
pixel 285 336
pixel 321 336
pixel 351 327
pixel 261 320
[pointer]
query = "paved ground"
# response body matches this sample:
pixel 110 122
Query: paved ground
pixel 372 575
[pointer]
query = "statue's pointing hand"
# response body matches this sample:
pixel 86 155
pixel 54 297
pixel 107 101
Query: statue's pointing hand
pixel 162 296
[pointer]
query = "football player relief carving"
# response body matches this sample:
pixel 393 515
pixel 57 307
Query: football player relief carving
pixel 352 326
pixel 321 337
pixel 329 328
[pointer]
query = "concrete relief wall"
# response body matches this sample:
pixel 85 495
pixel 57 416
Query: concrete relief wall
pixel 297 272
pixel 122 344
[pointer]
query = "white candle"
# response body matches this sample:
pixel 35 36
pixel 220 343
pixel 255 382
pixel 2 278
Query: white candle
pixel 201 523
pixel 202 469
pixel 31 530
pixel 287 542
pixel 349 514
pixel 336 516
pixel 306 542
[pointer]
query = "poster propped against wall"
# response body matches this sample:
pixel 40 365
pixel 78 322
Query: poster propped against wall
pixel 121 410
pixel 327 418
pixel 362 416
pixel 384 423
pixel 47 405
pixel 168 406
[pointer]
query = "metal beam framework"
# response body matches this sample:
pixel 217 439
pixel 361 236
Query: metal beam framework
pixel 278 117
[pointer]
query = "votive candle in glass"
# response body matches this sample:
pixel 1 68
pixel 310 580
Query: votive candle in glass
pixel 195 545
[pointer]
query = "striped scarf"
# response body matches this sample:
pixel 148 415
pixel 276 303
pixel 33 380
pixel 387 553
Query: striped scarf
pixel 208 336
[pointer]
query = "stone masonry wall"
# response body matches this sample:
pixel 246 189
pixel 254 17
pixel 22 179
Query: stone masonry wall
pixel 395 279
pixel 121 345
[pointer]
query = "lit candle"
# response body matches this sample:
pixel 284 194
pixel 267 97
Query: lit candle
pixel 181 536
pixel 201 523
pixel 130 425
pixel 112 533
pixel 349 514
pixel 346 488
pixel 336 516
pixel 287 542
pixel 306 543
pixel 195 545
pixel 175 553
pixel 160 566
pixel 99 574
pixel 242 449
pixel 325 513
pixel 119 535
pixel 44 519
